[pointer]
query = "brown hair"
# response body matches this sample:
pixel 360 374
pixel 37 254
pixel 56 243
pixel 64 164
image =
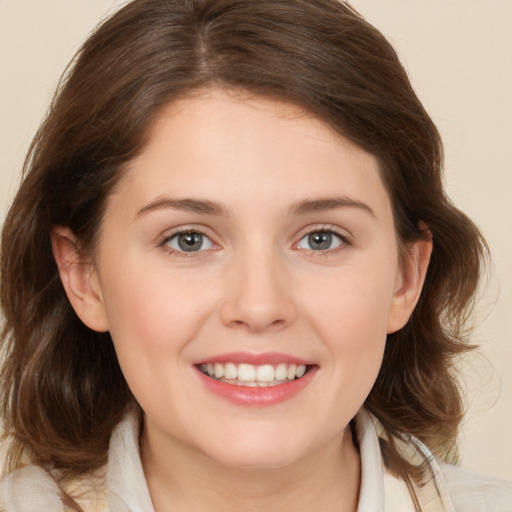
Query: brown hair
pixel 62 391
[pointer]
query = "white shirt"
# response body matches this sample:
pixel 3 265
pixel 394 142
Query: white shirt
pixel 122 487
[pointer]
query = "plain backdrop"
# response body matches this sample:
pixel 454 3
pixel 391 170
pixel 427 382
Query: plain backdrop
pixel 459 56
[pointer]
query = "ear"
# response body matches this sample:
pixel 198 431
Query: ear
pixel 80 279
pixel 409 282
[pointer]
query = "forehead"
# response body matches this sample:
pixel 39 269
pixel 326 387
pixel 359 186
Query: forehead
pixel 241 148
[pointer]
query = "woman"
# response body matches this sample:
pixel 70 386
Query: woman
pixel 241 285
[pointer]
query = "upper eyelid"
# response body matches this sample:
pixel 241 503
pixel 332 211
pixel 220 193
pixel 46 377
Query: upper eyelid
pixel 345 238
pixel 186 232
pixel 328 228
pixel 167 235
pixel 171 233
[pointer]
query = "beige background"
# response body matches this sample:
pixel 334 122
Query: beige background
pixel 459 55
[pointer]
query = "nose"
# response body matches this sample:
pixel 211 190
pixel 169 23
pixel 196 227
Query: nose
pixel 258 297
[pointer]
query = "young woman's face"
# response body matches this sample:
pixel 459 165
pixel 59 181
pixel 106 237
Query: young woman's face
pixel 245 245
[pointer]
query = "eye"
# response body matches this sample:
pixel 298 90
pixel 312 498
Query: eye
pixel 188 241
pixel 320 241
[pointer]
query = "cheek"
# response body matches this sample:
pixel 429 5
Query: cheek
pixel 354 303
pixel 350 316
pixel 152 320
pixel 151 317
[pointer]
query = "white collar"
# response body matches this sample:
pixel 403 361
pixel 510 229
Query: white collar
pixel 126 483
pixel 371 493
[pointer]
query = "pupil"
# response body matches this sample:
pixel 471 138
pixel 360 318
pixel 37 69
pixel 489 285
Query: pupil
pixel 320 241
pixel 190 241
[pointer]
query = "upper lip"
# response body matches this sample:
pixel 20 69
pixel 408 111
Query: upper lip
pixel 255 359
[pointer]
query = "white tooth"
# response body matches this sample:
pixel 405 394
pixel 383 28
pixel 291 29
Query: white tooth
pixel 263 384
pixel 281 372
pixel 204 368
pixel 211 369
pixel 301 370
pixel 291 372
pixel 219 370
pixel 230 371
pixel 265 373
pixel 250 384
pixel 275 383
pixel 246 372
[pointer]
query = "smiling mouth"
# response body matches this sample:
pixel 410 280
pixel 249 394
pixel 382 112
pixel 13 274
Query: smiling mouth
pixel 249 375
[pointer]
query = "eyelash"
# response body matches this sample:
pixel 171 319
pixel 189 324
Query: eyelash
pixel 329 230
pixel 186 231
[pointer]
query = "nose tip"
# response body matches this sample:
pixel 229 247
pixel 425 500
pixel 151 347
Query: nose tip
pixel 258 300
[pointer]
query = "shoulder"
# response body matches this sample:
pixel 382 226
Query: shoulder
pixel 29 489
pixel 33 489
pixel 471 492
pixel 438 486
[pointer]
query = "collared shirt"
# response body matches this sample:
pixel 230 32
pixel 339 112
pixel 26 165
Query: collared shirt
pixel 121 485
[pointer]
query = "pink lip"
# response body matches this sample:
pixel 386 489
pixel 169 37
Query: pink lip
pixel 256 397
pixel 254 359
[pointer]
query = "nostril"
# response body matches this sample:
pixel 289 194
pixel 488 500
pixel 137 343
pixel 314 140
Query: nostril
pixel 258 325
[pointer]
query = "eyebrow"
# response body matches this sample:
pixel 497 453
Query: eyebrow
pixel 206 207
pixel 201 206
pixel 328 203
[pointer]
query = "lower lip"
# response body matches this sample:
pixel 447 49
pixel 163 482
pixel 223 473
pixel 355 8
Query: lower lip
pixel 257 397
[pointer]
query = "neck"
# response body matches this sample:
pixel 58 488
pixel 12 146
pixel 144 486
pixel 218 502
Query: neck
pixel 327 479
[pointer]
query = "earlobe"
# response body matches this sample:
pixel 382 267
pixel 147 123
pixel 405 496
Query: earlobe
pixel 79 279
pixel 409 283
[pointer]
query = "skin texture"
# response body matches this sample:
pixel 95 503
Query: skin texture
pixel 255 286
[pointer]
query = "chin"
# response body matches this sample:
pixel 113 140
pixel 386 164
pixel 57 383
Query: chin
pixel 256 453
